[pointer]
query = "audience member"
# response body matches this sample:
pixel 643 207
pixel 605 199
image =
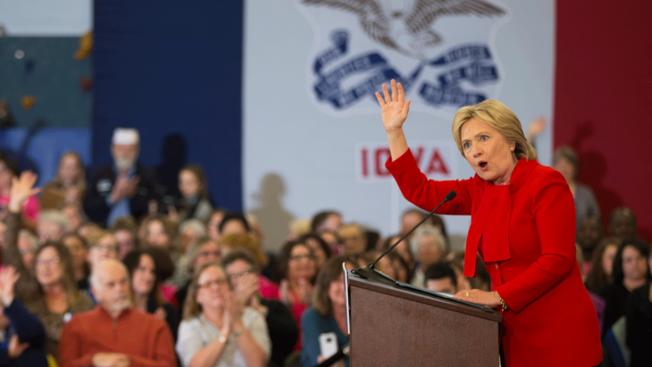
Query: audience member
pixel 125 187
pixel 638 315
pixel 29 206
pixel 600 273
pixel 326 220
pixel 68 186
pixel 589 234
pixel 217 330
pixel 353 239
pixel 145 287
pixel 124 231
pixel 622 223
pixel 23 333
pixel 51 225
pixel 429 246
pixel 440 277
pixel 78 249
pixel 205 251
pixel 299 270
pixel 194 202
pixel 327 314
pixel 565 161
pixel 114 333
pixel 630 271
pixel 243 273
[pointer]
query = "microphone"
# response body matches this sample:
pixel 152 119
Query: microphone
pixel 370 272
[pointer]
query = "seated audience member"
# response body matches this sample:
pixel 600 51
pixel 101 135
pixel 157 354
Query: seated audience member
pixel 75 217
pixel 123 188
pixel 194 202
pixel 456 260
pixel 158 231
pixel 299 270
pixel 51 225
pixel 440 277
pixel 600 273
pixel 589 234
pixel 205 251
pixel 622 223
pixel 410 218
pixel 27 245
pixel 429 247
pixel 124 231
pixel 242 270
pixel 326 220
pixel 78 249
pixel 638 316
pixel 404 250
pixel 213 224
pixel 630 271
pixel 58 298
pixel 327 314
pixel 565 161
pixel 114 333
pixel 145 287
pixel 217 330
pixel 190 231
pixel 353 239
pixel 24 336
pixel 251 244
pixel 68 186
pixel 233 223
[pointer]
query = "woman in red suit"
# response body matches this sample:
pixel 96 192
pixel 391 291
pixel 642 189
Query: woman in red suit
pixel 522 225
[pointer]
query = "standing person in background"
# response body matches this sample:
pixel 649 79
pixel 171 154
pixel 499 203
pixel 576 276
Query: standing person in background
pixel 522 226
pixel 565 161
pixel 124 188
pixel 68 186
pixel 194 202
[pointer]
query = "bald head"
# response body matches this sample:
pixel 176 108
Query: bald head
pixel 110 282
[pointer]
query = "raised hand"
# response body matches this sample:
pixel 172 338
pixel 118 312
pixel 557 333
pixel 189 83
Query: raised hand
pixel 22 187
pixel 15 347
pixel 394 106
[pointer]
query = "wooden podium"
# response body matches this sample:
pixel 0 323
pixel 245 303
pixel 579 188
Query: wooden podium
pixel 395 326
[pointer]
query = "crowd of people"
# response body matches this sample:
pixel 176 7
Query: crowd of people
pixel 98 270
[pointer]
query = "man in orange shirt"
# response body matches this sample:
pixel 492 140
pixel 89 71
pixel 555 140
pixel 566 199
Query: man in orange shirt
pixel 114 334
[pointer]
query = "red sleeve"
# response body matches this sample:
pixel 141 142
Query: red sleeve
pixel 163 351
pixel 554 217
pixel 70 349
pixel 425 193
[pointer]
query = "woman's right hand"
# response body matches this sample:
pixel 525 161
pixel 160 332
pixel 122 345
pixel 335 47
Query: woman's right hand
pixel 394 106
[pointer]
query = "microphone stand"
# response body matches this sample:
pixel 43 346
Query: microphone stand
pixel 371 273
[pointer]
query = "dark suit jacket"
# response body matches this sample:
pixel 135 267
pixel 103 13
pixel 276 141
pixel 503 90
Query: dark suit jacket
pixel 96 200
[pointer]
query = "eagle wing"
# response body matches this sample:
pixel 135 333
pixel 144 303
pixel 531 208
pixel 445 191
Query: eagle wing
pixel 371 15
pixel 426 11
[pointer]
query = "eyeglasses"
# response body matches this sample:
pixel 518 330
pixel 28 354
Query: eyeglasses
pixel 234 276
pixel 106 247
pixel 301 257
pixel 214 283
pixel 209 253
pixel 48 262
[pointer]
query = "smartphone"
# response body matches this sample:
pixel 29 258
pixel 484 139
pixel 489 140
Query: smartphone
pixel 328 344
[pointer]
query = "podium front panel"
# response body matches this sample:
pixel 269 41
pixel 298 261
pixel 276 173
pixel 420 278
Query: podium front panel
pixel 395 328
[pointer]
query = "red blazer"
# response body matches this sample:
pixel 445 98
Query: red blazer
pixel 525 234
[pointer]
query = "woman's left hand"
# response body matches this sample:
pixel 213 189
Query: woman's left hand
pixel 478 296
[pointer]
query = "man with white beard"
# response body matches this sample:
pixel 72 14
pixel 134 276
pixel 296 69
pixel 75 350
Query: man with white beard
pixel 114 333
pixel 124 188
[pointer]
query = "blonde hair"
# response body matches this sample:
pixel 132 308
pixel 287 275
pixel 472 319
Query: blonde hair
pixel 501 118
